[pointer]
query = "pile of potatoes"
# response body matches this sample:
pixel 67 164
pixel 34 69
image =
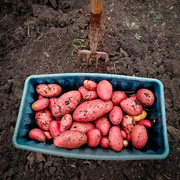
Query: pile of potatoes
pixel 93 115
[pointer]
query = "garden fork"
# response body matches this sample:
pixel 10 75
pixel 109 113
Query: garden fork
pixel 95 20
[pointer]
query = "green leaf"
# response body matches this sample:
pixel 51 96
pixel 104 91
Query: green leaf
pixel 159 16
pixel 151 11
pixel 137 36
pixel 136 27
pixel 178 148
pixel 133 24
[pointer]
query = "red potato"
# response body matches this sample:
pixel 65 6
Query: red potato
pixel 54 128
pixel 146 97
pixel 93 137
pixel 87 95
pixel 131 106
pixel 40 97
pixel 48 135
pixel 65 123
pixel 117 97
pixel 43 119
pixel 70 139
pixel 40 104
pixel 66 103
pixel 82 127
pixel 115 138
pixel 92 110
pixel 37 134
pixel 124 135
pixel 139 136
pixel 146 123
pixel 104 90
pixel 103 125
pixel 127 124
pixel 49 90
pixel 115 115
pixel 90 85
pixel 104 142
pixel 52 102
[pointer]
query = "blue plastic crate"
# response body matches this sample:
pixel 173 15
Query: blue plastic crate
pixel 157 146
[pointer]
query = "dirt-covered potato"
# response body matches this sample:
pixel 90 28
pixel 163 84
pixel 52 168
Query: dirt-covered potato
pixel 49 90
pixel 70 139
pixel 66 103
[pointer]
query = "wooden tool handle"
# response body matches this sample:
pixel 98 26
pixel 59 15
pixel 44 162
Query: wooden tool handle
pixel 97 6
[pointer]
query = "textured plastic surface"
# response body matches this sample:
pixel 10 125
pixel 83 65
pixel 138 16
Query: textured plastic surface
pixel 157 146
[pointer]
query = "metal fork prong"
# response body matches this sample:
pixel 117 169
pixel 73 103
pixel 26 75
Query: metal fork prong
pixel 87 60
pixel 106 60
pixel 97 59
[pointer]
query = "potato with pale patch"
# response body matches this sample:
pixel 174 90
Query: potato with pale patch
pixel 49 90
pixel 90 85
pixel 37 134
pixel 70 139
pixel 40 104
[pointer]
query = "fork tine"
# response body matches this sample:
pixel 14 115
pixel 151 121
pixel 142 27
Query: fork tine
pixel 97 59
pixel 87 60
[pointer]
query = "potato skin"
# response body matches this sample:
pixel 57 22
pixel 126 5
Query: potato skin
pixel 87 95
pixel 52 102
pixel 82 126
pixel 40 104
pixel 54 128
pixel 139 136
pixel 103 125
pixel 90 85
pixel 48 135
pixel 127 124
pixel 140 117
pixel 49 90
pixel 146 123
pixel 43 119
pixel 70 139
pixel 37 134
pixel 104 142
pixel 93 137
pixel 117 97
pixel 115 115
pixel 92 110
pixel 66 122
pixel 115 138
pixel 131 106
pixel 104 90
pixel 146 97
pixel 66 103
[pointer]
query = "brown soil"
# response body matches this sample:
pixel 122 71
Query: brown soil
pixel 36 37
